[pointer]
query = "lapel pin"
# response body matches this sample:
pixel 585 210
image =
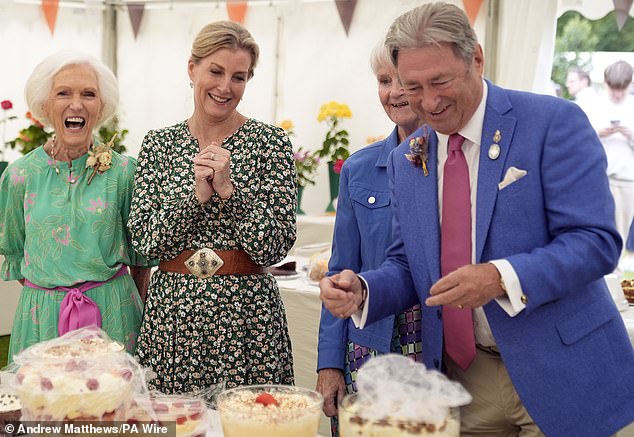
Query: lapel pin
pixel 497 136
pixel 494 151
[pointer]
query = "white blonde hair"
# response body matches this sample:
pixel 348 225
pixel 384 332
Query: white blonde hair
pixel 39 84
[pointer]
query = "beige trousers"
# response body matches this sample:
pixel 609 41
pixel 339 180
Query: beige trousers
pixel 496 410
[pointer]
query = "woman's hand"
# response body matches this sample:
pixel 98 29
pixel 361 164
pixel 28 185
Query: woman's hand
pixel 212 173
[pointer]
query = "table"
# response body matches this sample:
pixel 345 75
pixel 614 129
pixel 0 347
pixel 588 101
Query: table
pixel 313 229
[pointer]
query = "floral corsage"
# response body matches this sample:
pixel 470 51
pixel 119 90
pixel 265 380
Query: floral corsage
pixel 418 151
pixel 100 158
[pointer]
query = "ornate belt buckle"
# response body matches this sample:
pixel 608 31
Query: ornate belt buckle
pixel 204 263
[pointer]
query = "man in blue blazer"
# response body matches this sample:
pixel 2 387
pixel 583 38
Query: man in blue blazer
pixel 549 352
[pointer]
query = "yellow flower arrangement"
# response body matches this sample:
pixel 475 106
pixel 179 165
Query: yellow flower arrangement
pixel 335 145
pixel 100 158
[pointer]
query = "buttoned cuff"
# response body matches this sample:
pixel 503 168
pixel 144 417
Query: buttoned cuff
pixel 513 301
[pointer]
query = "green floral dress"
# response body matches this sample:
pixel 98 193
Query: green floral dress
pixel 58 234
pixel 232 329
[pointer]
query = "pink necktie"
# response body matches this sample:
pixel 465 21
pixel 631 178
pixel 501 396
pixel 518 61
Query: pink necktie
pixel 455 250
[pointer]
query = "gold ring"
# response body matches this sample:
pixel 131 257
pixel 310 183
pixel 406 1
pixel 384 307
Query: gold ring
pixel 460 306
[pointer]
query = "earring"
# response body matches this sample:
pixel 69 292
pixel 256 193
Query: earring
pixel 191 84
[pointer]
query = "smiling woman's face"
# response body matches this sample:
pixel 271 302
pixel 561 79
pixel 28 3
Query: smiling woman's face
pixel 74 105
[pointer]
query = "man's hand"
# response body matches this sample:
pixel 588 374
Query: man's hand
pixel 341 294
pixel 331 385
pixel 469 286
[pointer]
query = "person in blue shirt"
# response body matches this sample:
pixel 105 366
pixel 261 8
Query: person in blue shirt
pixel 362 234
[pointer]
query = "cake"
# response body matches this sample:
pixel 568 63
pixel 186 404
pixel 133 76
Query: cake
pixel 189 414
pixel 82 375
pixel 318 270
pixel 270 411
pixel 628 289
pixel 353 423
pixel 10 410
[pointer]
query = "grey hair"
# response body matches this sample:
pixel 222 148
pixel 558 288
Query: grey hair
pixel 433 24
pixel 39 84
pixel 379 57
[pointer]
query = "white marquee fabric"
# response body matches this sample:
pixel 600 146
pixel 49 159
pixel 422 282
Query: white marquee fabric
pixel 306 60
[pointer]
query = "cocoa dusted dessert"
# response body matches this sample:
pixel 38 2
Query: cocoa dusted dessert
pixel 628 289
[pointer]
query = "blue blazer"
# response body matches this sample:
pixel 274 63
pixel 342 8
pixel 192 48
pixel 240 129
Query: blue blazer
pixel 361 236
pixel 567 353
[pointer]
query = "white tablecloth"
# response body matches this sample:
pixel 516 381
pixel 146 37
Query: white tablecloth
pixel 312 230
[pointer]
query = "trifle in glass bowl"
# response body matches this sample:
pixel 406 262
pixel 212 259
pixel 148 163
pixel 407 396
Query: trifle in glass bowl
pixel 398 397
pixel 269 411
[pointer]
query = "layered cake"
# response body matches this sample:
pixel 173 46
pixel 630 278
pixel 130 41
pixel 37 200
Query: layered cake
pixel 75 377
pixel 353 422
pixel 189 414
pixel 10 410
pixel 270 411
pixel 398 397
pixel 628 289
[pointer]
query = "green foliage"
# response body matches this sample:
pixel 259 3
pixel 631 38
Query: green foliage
pixel 306 166
pixel 108 130
pixel 576 35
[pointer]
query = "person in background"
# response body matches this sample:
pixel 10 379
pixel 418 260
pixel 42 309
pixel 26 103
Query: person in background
pixel 613 119
pixel 361 236
pixel 580 88
pixel 505 239
pixel 63 213
pixel 215 191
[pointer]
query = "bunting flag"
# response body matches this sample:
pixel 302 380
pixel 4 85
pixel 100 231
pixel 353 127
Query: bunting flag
pixel 622 11
pixel 50 8
pixel 237 11
pixel 471 8
pixel 135 12
pixel 346 11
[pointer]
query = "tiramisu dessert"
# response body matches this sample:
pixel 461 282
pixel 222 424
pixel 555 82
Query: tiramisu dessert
pixel 628 289
pixel 269 411
pixel 82 375
pixel 10 410
pixel 398 397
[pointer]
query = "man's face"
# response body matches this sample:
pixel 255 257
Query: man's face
pixel 574 83
pixel 441 88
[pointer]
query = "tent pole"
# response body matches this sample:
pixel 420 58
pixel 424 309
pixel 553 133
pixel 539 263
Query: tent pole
pixel 491 40
pixel 109 37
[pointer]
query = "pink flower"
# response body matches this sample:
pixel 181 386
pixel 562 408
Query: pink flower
pixel 29 200
pixel 337 166
pixel 6 104
pixel 62 234
pixel 17 176
pixel 98 206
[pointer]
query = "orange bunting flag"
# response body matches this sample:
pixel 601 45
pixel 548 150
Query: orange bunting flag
pixel 621 12
pixel 472 7
pixel 135 12
pixel 346 11
pixel 237 11
pixel 50 8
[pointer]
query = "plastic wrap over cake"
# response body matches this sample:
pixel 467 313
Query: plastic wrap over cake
pixel 83 375
pixel 397 396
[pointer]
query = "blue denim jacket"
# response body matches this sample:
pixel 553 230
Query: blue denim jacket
pixel 363 231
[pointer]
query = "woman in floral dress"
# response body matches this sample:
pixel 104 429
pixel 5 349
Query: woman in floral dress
pixel 63 213
pixel 225 182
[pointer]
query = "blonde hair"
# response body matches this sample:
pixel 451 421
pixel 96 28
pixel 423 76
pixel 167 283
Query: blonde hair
pixel 433 24
pixel 38 85
pixel 224 35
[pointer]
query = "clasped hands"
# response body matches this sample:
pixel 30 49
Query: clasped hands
pixel 469 286
pixel 212 173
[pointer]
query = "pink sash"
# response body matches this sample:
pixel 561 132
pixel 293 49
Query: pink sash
pixel 78 310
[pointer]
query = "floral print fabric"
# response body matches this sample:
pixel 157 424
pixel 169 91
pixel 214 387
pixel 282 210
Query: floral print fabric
pixel 58 234
pixel 226 329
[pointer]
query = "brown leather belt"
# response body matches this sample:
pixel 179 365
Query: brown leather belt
pixel 236 262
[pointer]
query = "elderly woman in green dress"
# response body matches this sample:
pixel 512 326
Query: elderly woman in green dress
pixel 63 213
pixel 215 201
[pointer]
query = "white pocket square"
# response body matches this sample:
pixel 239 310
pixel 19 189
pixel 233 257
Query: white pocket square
pixel 513 174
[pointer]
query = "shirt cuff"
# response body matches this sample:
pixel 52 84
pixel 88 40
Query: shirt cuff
pixel 511 302
pixel 361 316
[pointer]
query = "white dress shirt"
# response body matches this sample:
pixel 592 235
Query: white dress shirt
pixel 511 302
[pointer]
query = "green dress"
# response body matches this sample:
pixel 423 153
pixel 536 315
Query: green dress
pixel 226 329
pixel 58 234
